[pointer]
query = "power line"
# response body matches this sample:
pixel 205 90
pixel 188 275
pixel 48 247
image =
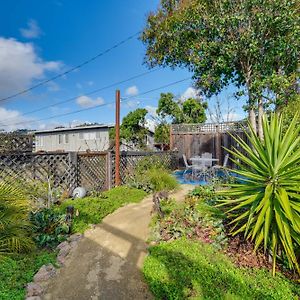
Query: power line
pixel 85 94
pixel 159 88
pixel 100 105
pixel 71 69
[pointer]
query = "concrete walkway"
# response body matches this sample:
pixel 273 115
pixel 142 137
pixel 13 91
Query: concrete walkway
pixel 106 263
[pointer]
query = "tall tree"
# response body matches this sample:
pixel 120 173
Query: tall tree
pixel 162 135
pixel 248 43
pixel 133 129
pixel 178 111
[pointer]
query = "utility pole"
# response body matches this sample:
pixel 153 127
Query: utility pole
pixel 117 140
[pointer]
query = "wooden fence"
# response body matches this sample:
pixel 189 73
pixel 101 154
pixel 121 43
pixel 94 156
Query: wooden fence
pixel 94 171
pixel 195 139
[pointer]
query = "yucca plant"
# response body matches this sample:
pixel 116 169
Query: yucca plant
pixel 14 224
pixel 265 205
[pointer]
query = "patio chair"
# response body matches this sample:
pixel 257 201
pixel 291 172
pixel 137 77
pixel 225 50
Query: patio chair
pixel 186 164
pixel 215 168
pixel 207 164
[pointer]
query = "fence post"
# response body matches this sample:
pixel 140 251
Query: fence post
pixel 108 170
pixel 171 137
pixel 74 176
pixel 218 145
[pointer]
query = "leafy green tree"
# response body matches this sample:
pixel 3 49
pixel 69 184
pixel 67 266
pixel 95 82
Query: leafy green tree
pixel 162 134
pixel 194 111
pixel 133 128
pixel 288 111
pixel 253 44
pixel 188 111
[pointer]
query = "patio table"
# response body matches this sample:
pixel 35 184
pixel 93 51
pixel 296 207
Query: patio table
pixel 197 160
pixel 200 166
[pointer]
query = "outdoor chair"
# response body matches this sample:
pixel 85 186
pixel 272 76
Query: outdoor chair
pixel 186 164
pixel 207 164
pixel 215 168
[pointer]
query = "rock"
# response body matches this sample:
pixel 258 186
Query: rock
pixel 61 260
pixel 75 237
pixel 45 273
pixel 65 249
pixel 33 289
pixel 33 298
pixel 62 245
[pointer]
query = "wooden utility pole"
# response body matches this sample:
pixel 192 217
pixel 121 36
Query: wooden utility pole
pixel 117 140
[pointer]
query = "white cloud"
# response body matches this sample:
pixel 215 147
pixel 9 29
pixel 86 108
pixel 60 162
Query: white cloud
pixel 131 104
pixel 87 102
pixel 20 65
pixel 90 83
pixel 132 91
pixel 190 93
pixel 32 31
pixel 53 86
pixel 11 117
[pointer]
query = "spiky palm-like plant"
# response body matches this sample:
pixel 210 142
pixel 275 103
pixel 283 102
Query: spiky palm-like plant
pixel 265 206
pixel 14 225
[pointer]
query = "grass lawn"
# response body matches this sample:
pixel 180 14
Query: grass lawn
pixel 185 269
pixel 17 271
pixel 93 209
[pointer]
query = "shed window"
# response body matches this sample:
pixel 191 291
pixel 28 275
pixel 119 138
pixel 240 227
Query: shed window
pixel 60 138
pixel 81 135
pixel 98 135
pixel 66 138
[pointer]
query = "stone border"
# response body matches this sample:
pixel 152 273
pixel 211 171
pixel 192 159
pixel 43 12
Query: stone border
pixel 35 289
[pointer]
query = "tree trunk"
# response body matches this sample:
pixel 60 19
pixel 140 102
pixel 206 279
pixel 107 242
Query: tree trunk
pixel 260 116
pixel 252 119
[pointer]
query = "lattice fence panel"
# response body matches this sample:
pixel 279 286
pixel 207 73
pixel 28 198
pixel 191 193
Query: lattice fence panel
pixel 92 171
pixel 10 142
pixel 39 167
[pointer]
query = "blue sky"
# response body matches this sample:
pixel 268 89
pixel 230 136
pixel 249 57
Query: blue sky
pixel 39 39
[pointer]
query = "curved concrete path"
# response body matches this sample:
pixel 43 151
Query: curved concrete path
pixel 106 263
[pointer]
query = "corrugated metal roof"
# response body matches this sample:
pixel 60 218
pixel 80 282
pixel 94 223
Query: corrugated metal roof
pixel 75 128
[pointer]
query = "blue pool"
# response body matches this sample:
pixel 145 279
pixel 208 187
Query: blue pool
pixel 187 178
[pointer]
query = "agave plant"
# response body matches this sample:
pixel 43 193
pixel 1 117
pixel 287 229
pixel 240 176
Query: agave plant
pixel 265 205
pixel 14 225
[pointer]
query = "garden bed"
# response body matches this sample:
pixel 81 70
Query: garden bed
pixel 192 256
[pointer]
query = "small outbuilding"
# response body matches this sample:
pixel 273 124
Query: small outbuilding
pixel 85 138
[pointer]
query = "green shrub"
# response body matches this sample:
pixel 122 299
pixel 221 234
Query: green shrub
pixel 93 210
pixel 154 180
pixel 14 226
pixel 185 269
pixel 265 206
pixel 152 175
pixel 50 228
pixel 17 271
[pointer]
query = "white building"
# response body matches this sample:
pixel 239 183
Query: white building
pixel 86 138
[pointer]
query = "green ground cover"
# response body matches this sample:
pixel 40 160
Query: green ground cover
pixel 93 209
pixel 18 270
pixel 186 269
pixel 187 260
